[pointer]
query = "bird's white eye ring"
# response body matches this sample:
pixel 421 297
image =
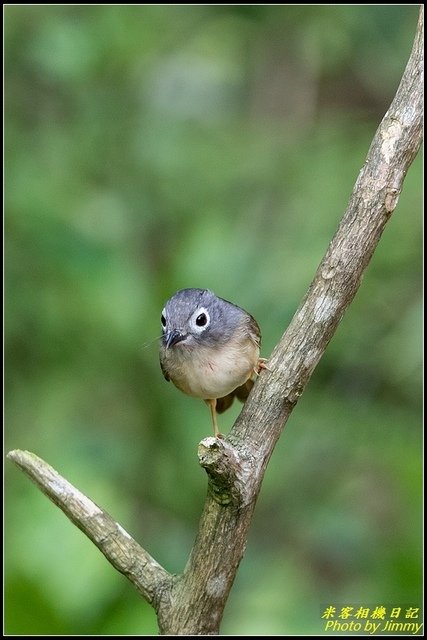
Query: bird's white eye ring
pixel 200 320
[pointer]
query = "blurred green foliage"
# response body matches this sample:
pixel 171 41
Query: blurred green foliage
pixel 150 148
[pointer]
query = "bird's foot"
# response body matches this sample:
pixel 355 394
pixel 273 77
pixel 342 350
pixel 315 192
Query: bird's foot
pixel 262 364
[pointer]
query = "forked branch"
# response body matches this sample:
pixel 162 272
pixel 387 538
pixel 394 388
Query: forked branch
pixel 193 602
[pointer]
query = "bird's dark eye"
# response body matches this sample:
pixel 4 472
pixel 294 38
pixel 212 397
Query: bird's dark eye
pixel 163 320
pixel 201 320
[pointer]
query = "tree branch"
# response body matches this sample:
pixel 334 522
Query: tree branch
pixel 193 603
pixel 374 197
pixel 120 549
pixel 221 540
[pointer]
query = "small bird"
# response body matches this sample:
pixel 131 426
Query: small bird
pixel 209 348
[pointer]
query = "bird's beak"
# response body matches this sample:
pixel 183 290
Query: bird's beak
pixel 172 337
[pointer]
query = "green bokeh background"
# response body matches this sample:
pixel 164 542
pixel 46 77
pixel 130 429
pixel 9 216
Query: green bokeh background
pixel 150 148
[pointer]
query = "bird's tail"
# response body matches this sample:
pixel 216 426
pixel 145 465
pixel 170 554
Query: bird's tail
pixel 241 393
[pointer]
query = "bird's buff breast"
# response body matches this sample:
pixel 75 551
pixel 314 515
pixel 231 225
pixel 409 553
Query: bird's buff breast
pixel 210 373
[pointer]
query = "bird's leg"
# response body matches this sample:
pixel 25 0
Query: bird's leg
pixel 212 406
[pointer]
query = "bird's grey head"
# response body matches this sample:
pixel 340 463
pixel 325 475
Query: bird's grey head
pixel 198 317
